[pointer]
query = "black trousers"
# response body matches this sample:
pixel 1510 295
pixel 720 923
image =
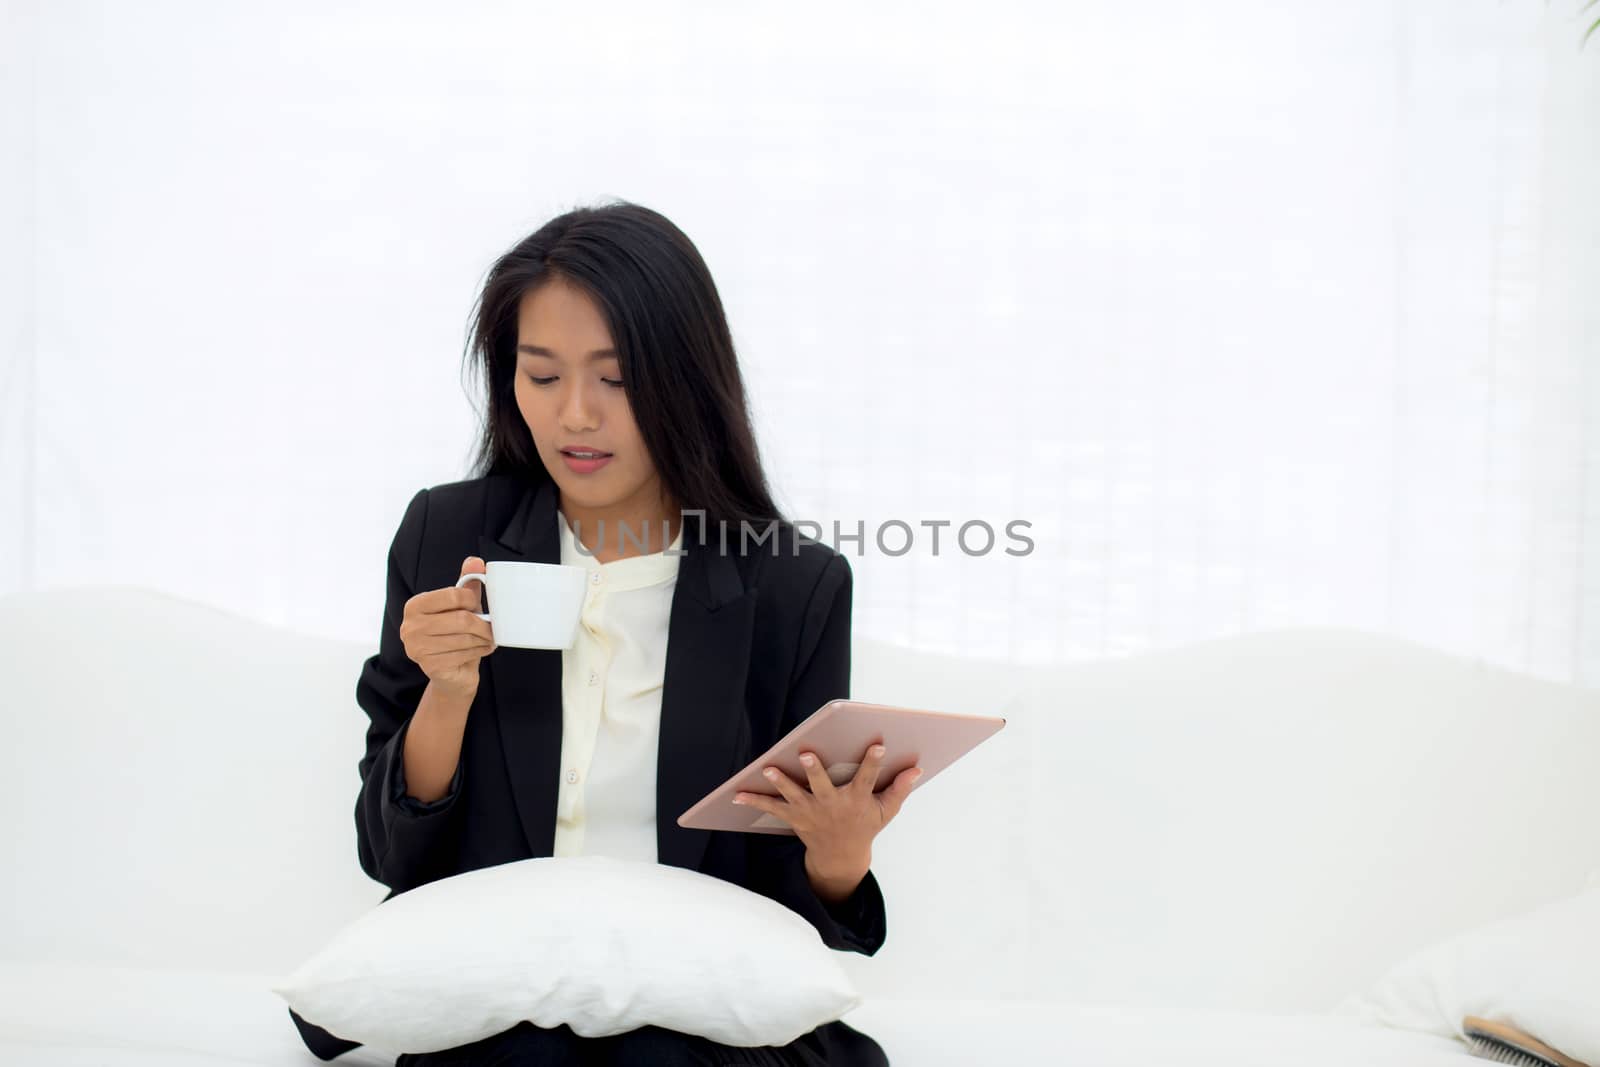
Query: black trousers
pixel 527 1045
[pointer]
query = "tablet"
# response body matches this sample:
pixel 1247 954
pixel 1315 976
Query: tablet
pixel 840 732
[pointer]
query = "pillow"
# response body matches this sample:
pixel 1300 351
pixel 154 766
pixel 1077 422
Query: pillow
pixel 604 945
pixel 1539 972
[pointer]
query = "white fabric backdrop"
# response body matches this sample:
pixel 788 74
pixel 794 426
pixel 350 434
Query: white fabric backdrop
pixel 1261 313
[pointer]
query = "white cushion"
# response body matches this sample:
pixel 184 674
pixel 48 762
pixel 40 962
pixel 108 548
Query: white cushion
pixel 221 807
pixel 1177 828
pixel 1052 1033
pixel 604 945
pixel 1539 972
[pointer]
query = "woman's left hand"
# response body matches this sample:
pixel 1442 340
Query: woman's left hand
pixel 836 823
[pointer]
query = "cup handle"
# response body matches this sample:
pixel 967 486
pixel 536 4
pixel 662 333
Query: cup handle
pixel 464 579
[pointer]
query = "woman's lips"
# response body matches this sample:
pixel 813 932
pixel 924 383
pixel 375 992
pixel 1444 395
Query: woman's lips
pixel 584 465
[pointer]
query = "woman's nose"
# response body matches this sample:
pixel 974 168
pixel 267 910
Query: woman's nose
pixel 576 410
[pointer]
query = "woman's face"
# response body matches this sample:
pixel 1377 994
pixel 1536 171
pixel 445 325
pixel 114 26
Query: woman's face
pixel 568 388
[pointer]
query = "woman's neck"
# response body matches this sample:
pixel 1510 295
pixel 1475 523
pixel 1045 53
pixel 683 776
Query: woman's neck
pixel 616 532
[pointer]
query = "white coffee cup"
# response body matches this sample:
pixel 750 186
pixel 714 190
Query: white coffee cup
pixel 532 605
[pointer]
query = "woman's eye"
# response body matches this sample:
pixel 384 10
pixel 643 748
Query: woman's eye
pixel 546 381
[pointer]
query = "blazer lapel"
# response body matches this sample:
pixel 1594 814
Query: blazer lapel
pixel 526 682
pixel 705 729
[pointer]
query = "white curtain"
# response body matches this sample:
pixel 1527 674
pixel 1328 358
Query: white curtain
pixel 1259 313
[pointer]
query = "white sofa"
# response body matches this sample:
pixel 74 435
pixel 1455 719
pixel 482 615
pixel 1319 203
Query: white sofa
pixel 1195 853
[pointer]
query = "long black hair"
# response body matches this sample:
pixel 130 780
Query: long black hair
pixel 679 368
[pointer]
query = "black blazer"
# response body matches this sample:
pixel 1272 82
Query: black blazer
pixel 757 640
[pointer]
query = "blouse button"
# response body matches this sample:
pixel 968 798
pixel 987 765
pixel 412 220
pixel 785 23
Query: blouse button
pixel 595 578
pixel 572 777
pixel 594 678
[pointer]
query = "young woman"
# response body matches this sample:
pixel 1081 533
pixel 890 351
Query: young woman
pixel 616 439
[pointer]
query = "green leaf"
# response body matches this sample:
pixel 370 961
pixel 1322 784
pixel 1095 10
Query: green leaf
pixel 1589 33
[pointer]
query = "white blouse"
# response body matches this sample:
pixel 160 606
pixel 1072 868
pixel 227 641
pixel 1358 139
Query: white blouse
pixel 611 684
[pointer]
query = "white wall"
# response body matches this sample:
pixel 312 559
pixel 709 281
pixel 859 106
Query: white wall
pixel 1261 313
pixel 18 163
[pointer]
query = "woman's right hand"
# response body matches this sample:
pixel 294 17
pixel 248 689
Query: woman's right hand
pixel 444 637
